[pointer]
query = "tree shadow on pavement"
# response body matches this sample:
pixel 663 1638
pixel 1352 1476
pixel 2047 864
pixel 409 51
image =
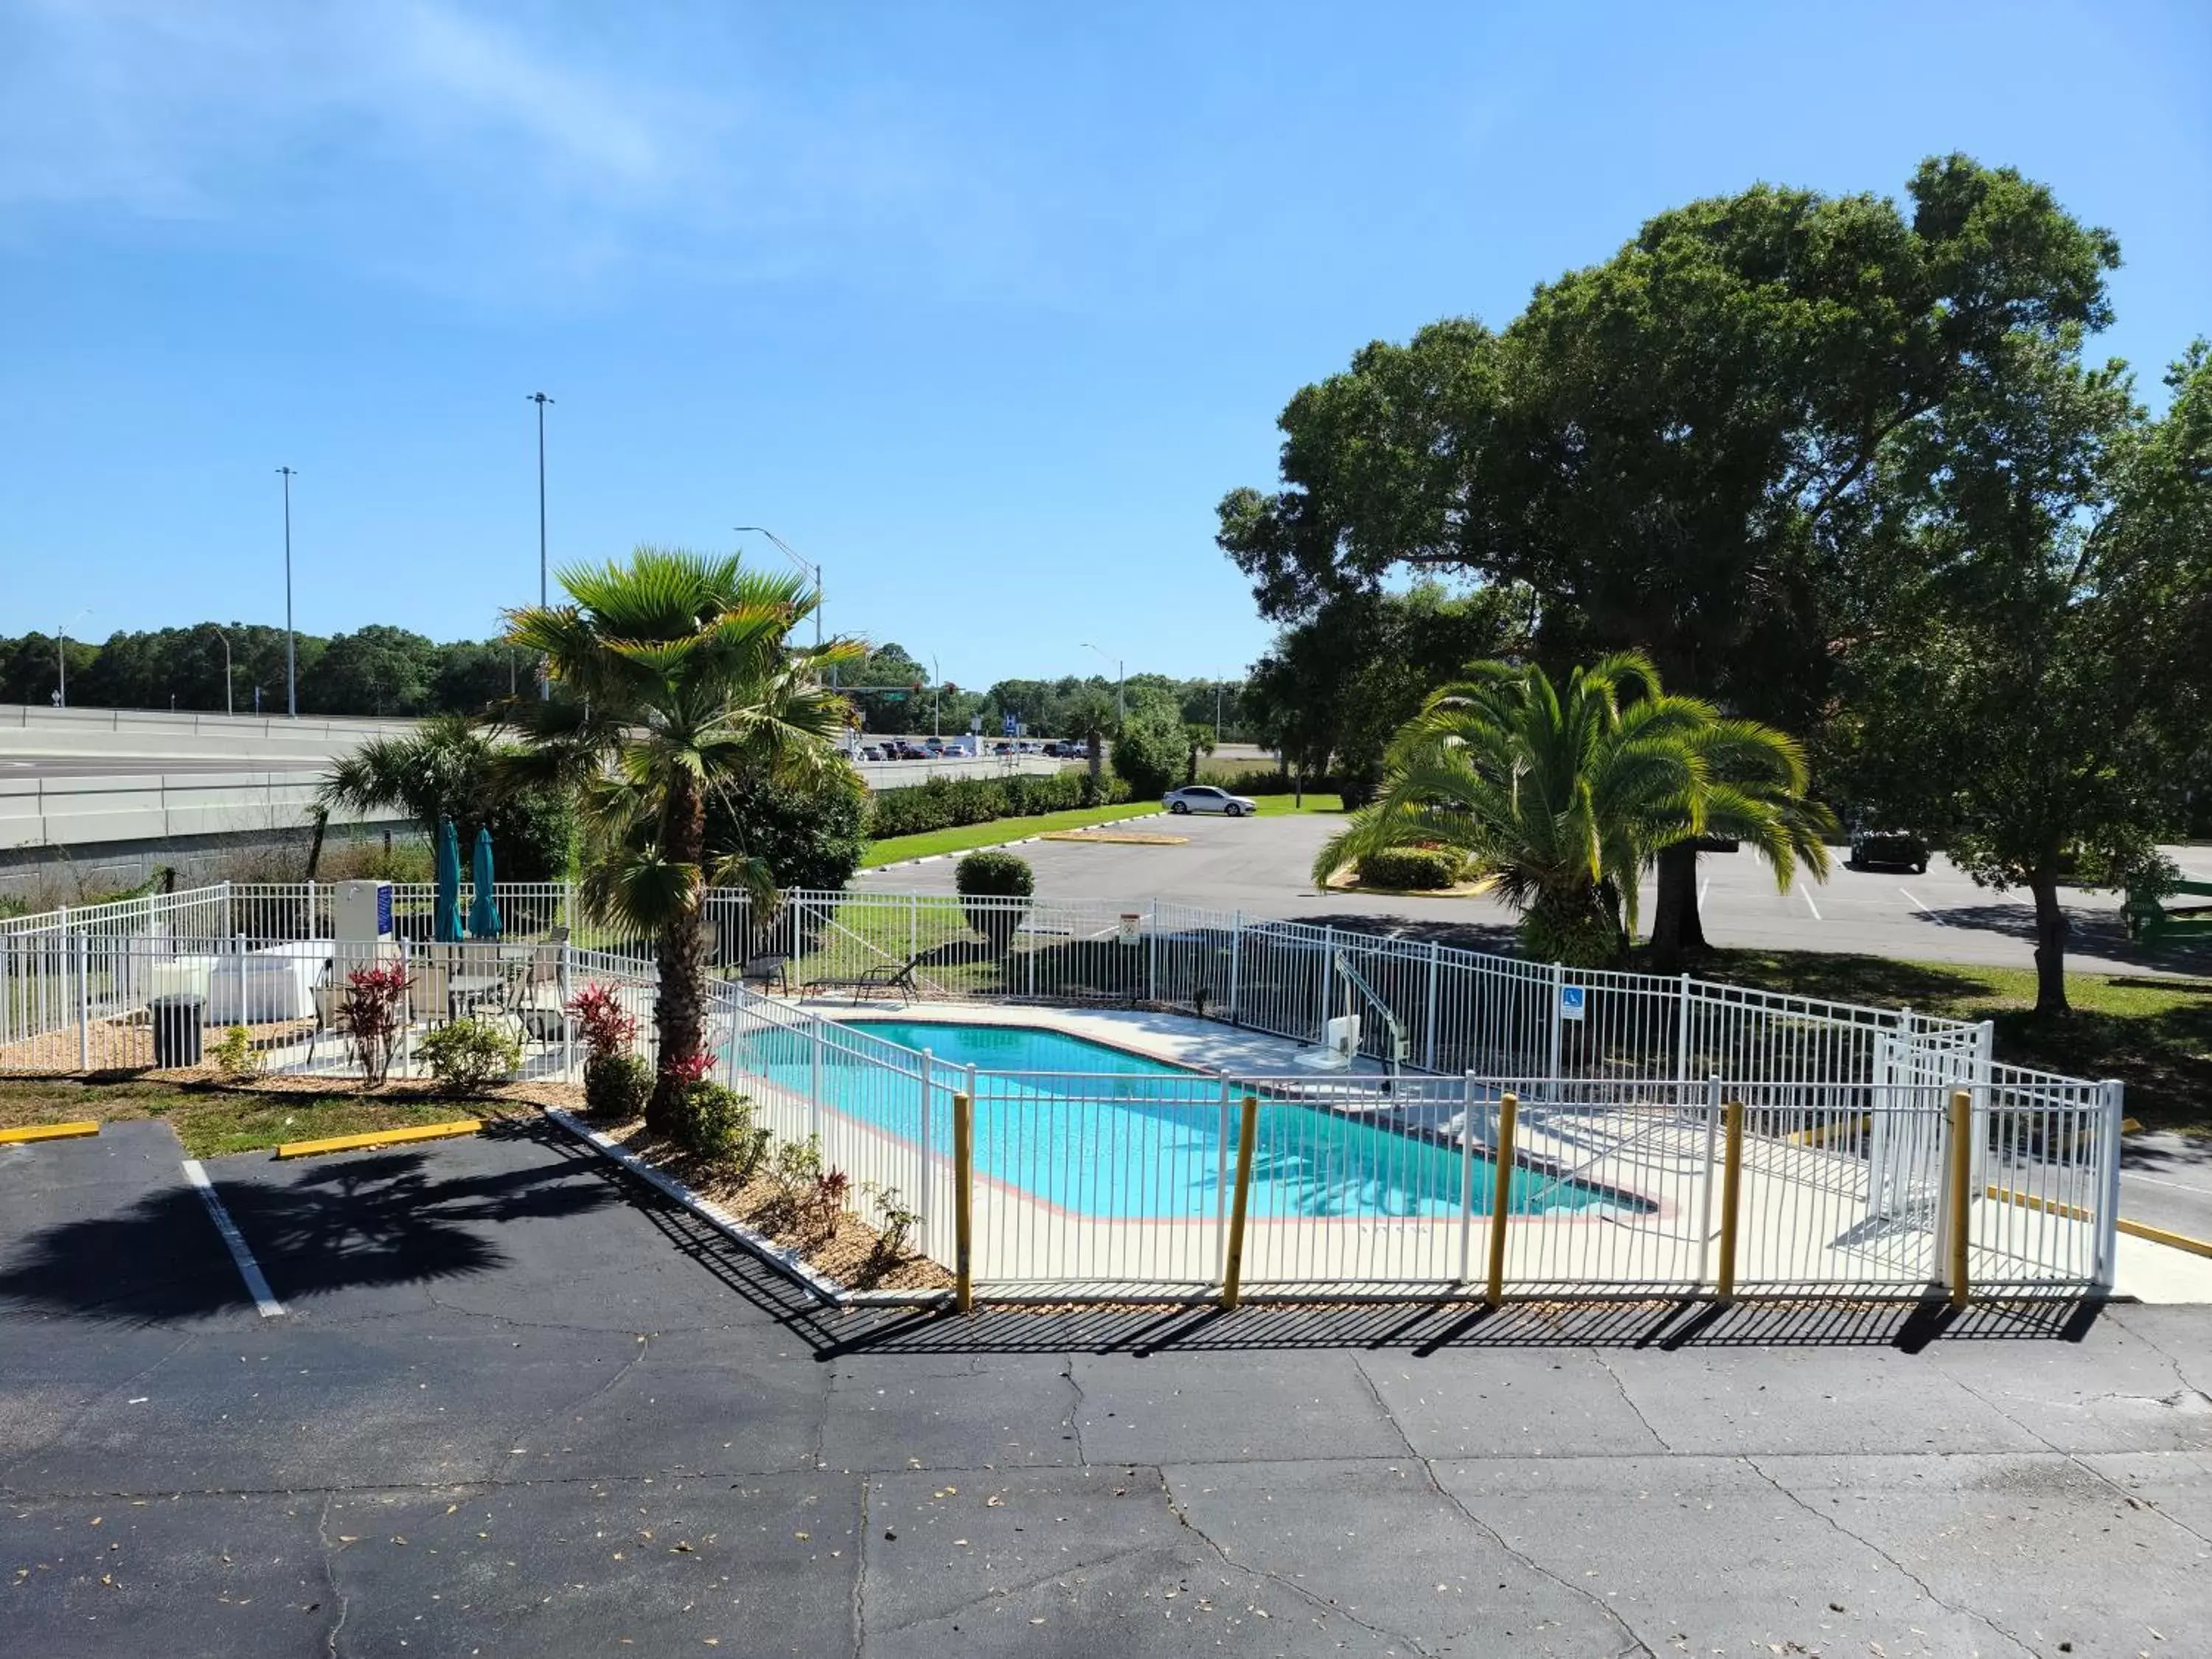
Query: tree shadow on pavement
pixel 314 1228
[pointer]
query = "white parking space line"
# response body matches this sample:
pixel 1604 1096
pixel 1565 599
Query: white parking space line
pixel 248 1268
pixel 1923 908
pixel 1808 894
pixel 1704 888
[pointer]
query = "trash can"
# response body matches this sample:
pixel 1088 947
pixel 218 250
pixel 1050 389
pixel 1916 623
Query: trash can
pixel 177 1022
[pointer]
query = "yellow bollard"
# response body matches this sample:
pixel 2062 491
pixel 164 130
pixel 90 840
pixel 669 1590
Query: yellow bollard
pixel 1501 1196
pixel 1248 1133
pixel 1731 1198
pixel 963 1211
pixel 1962 1189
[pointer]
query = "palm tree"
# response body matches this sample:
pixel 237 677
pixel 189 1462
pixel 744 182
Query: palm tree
pixel 1090 714
pixel 679 678
pixel 442 769
pixel 1563 794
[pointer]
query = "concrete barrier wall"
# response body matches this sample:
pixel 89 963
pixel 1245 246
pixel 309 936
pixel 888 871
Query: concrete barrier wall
pixel 74 812
pixel 133 733
pixel 904 775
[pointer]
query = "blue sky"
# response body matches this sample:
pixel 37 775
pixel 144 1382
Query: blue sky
pixel 981 307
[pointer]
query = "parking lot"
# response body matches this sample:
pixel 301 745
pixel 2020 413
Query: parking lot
pixel 509 1405
pixel 1264 866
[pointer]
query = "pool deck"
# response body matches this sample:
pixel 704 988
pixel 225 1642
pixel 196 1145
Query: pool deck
pixel 1807 1223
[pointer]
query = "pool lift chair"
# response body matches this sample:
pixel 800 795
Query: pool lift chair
pixel 1340 1042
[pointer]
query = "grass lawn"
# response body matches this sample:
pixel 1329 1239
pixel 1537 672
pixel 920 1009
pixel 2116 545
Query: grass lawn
pixel 215 1122
pixel 966 836
pixel 2153 1035
pixel 1272 806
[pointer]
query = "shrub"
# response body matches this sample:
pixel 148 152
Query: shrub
pixel 235 1056
pixel 827 1199
pixel 370 1017
pixel 467 1054
pixel 809 838
pixel 895 1222
pixel 797 1169
pixel 606 1026
pixel 1151 752
pixel 994 890
pixel 1413 867
pixel 717 1122
pixel 949 803
pixel 617 1086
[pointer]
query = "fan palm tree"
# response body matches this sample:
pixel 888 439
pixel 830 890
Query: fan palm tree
pixel 442 770
pixel 679 677
pixel 1563 794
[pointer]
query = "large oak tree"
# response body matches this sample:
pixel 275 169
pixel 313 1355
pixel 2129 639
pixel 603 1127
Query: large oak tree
pixel 1676 449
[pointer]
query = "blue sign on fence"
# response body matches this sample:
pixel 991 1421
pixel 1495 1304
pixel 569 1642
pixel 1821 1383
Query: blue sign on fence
pixel 1570 1001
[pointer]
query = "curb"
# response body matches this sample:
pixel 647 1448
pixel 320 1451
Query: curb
pixel 2142 1229
pixel 466 1126
pixel 47 1131
pixel 784 1259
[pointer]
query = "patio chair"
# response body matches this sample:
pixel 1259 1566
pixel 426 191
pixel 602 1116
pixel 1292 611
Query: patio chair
pixel 771 968
pixel 882 978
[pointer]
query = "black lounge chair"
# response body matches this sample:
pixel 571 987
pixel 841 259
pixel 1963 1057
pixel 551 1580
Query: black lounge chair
pixel 883 977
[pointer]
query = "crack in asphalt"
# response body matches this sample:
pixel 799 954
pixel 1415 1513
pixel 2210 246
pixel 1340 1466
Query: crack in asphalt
pixel 1381 1406
pixel 1290 1586
pixel 1075 1412
pixel 2088 1468
pixel 1629 1401
pixel 2180 1376
pixel 574 1407
pixel 1636 1643
pixel 1881 1554
pixel 860 1574
pixel 330 1574
pixel 82 1413
pixel 1003 1592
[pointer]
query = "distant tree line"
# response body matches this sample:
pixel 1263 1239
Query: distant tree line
pixel 376 670
pixel 380 670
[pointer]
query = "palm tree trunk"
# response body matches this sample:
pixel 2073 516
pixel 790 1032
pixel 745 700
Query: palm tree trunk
pixel 679 1009
pixel 1677 929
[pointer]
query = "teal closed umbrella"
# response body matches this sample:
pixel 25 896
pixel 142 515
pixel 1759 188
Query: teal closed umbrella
pixel 446 918
pixel 483 908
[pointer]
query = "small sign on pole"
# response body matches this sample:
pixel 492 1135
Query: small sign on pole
pixel 1129 928
pixel 1570 1001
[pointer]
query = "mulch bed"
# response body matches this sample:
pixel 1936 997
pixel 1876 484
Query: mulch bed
pixel 851 1252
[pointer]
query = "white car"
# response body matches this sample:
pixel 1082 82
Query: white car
pixel 1204 797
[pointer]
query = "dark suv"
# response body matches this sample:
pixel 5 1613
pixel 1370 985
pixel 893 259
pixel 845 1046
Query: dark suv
pixel 1898 848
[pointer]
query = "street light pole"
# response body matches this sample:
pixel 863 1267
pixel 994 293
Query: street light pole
pixel 61 658
pixel 545 679
pixel 291 653
pixel 1120 702
pixel 806 568
pixel 225 638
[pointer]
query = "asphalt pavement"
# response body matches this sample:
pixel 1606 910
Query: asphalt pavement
pixel 1263 865
pixel 513 1406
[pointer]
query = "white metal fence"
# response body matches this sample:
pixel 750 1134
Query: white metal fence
pixel 1119 1185
pixel 1104 1182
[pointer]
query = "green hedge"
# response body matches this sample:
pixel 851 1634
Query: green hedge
pixel 1411 867
pixel 1264 781
pixel 948 803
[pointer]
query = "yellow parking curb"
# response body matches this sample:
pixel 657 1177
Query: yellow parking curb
pixel 2133 1228
pixel 47 1131
pixel 2171 1241
pixel 467 1126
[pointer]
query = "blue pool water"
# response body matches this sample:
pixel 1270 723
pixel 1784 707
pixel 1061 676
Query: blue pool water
pixel 1135 1138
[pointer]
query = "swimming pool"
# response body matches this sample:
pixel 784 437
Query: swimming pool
pixel 1100 1132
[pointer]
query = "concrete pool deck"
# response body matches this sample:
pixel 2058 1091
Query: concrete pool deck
pixel 1807 1223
